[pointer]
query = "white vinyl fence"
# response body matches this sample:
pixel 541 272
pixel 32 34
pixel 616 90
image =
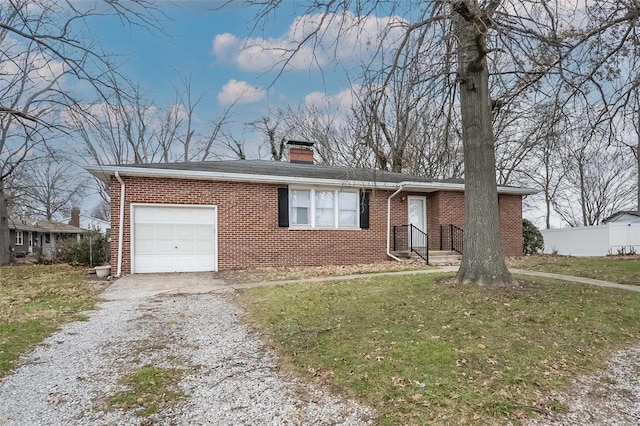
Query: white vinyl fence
pixel 601 240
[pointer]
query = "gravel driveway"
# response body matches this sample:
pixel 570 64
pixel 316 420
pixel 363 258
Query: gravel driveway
pixel 231 376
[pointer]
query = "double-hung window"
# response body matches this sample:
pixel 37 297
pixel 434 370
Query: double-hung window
pixel 19 238
pixel 300 207
pixel 347 209
pixel 324 208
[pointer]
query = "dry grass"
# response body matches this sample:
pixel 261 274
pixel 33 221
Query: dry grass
pixel 423 350
pixel 618 269
pixel 301 272
pixel 35 300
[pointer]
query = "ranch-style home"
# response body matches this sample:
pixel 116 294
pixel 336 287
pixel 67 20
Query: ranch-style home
pixel 242 214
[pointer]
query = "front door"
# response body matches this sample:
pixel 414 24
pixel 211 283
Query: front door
pixel 30 242
pixel 417 218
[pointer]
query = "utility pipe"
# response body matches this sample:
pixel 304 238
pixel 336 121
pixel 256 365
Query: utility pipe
pixel 121 225
pixel 389 223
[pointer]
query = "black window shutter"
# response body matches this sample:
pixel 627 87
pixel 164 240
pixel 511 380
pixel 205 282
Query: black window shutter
pixel 283 207
pixel 364 209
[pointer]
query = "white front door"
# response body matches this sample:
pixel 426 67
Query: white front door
pixel 30 242
pixel 173 238
pixel 418 212
pixel 417 218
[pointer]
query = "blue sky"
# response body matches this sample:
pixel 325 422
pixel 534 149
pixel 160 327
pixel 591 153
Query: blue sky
pixel 158 61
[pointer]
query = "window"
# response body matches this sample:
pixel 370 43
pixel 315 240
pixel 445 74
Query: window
pixel 348 209
pixel 19 238
pixel 300 207
pixel 321 208
pixel 324 208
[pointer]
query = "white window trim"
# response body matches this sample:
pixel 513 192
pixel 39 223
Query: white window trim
pixel 19 238
pixel 336 208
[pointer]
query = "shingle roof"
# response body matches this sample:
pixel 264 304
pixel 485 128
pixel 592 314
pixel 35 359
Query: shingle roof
pixel 281 168
pixel 17 224
pixel 62 228
pixel 285 172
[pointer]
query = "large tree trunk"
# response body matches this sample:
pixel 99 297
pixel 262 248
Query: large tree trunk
pixel 482 259
pixel 638 171
pixel 5 250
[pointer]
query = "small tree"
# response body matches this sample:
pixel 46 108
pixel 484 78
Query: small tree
pixel 92 250
pixel 533 240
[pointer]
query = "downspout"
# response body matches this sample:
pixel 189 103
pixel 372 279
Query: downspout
pixel 121 225
pixel 389 224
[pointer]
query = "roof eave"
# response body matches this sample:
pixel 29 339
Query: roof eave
pixel 103 173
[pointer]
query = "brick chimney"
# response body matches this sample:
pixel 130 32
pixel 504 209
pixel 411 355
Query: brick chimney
pixel 75 217
pixel 300 152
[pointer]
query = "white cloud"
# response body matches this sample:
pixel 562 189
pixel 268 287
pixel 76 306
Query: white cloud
pixel 240 92
pixel 225 45
pixel 342 100
pixel 342 37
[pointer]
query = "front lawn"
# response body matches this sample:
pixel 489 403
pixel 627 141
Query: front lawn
pixel 302 272
pixel 424 351
pixel 35 300
pixel 622 270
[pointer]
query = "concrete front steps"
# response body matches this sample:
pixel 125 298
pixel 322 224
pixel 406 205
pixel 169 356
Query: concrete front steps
pixel 436 257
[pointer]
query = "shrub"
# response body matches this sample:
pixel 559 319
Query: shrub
pixel 92 249
pixel 533 240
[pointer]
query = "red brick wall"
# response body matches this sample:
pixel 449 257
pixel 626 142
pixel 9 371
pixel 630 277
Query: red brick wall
pixel 248 232
pixel 511 224
pixel 446 207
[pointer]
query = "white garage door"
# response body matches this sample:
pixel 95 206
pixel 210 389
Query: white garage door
pixel 173 239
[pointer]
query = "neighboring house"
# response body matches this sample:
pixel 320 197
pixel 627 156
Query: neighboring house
pixel 222 215
pixel 52 233
pixel 24 239
pixel 87 222
pixel 624 217
pixel 39 238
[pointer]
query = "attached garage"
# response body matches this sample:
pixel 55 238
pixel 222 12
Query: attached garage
pixel 173 238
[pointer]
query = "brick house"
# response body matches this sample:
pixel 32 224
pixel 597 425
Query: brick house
pixel 242 214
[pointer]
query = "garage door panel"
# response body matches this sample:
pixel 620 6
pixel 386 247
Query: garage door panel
pixel 205 231
pixel 164 231
pixel 165 246
pixel 174 239
pixel 196 262
pixel 145 246
pixel 186 246
pixel 144 230
pixel 155 263
pixel 204 246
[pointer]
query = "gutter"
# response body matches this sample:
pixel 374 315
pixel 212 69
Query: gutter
pixel 121 225
pixel 103 173
pixel 389 223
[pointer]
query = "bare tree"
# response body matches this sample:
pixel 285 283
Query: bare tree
pixel 42 41
pixel 126 127
pixel 102 210
pixel 598 182
pixel 501 49
pixel 50 188
pixel 275 137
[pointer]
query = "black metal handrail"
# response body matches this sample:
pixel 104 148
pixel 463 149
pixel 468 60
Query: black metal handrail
pixel 451 238
pixel 457 238
pixel 411 238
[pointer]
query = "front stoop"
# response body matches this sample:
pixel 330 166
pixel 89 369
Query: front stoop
pixel 436 257
pixel 444 257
